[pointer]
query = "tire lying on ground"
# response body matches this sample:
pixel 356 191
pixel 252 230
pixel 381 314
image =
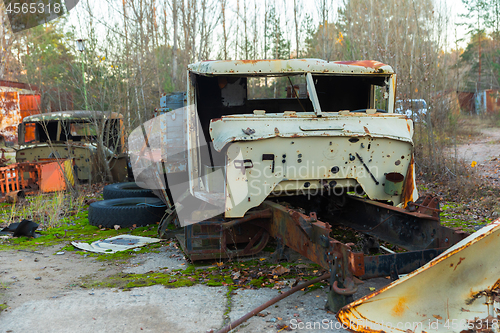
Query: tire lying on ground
pixel 126 212
pixel 125 190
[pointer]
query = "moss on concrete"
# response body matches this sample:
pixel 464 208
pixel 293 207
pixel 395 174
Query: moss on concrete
pixel 74 228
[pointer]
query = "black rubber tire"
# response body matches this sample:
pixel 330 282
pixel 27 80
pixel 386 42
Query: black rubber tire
pixel 125 190
pixel 126 212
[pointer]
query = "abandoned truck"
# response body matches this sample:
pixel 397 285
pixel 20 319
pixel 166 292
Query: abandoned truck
pixel 74 134
pixel 272 148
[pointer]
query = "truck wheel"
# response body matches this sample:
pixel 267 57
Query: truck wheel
pixel 125 190
pixel 126 212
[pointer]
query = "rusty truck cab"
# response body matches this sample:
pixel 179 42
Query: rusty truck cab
pixel 73 134
pixel 294 127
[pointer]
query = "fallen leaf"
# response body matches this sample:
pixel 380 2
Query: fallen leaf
pixel 280 270
pixel 372 288
pixel 262 259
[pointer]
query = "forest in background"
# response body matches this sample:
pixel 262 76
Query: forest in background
pixel 137 50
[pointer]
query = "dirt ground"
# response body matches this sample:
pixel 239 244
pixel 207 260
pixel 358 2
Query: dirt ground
pixel 42 290
pixel 485 151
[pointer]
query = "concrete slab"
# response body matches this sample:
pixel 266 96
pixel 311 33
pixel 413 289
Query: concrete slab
pixel 302 311
pixel 150 309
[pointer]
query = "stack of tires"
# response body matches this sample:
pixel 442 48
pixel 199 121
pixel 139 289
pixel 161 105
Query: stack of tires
pixel 126 204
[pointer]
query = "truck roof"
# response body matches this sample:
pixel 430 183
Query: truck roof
pixel 75 115
pixel 290 66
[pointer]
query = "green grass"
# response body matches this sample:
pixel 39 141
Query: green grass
pixel 214 276
pixel 73 228
pixel 451 218
pixel 175 279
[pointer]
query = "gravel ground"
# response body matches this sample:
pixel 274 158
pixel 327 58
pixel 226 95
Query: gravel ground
pixel 55 303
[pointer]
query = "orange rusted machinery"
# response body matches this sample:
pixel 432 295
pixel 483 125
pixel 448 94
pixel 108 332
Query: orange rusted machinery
pixel 17 101
pixel 46 176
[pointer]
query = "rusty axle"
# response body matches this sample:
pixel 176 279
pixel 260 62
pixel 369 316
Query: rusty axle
pixel 271 302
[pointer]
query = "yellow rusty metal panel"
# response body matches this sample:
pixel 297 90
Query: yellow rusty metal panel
pixel 457 291
pixel 52 175
pixel 290 66
pixel 68 171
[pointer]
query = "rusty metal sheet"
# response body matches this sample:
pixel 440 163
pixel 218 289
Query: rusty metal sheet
pixel 29 105
pixel 409 230
pixel 456 292
pixel 230 128
pixel 290 66
pixel 10 115
pixel 364 63
pixel 52 175
pixel 310 164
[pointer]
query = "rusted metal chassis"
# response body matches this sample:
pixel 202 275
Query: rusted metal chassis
pixel 416 231
pixel 311 238
pixel 214 238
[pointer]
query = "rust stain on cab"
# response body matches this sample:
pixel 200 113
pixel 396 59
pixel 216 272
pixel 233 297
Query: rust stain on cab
pixel 408 186
pixel 400 307
pixel 365 63
pixel 351 320
pixel 459 262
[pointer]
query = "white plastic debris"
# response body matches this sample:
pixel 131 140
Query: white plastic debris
pixel 115 244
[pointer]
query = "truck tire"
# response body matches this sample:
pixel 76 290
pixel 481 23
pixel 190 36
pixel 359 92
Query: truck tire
pixel 126 212
pixel 125 190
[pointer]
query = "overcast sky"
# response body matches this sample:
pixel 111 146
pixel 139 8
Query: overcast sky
pixel 452 7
